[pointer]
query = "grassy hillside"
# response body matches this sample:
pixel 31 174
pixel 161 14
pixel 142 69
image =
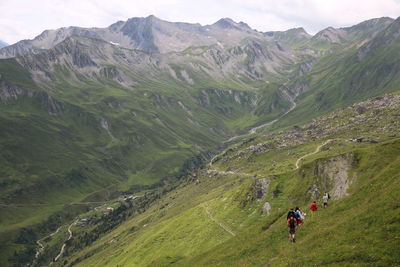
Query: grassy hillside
pixel 216 216
pixel 358 230
pixel 87 121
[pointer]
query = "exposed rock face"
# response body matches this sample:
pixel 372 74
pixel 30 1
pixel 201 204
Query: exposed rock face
pixel 266 208
pixel 12 92
pixel 148 34
pixel 52 106
pixel 106 126
pixel 390 34
pixel 331 35
pixel 260 188
pixel 306 67
pixel 336 176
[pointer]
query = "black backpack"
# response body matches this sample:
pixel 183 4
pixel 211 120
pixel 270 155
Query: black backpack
pixel 291 214
pixel 292 222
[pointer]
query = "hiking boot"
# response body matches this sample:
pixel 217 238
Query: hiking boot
pixel 294 240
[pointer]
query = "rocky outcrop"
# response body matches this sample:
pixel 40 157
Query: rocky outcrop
pixel 260 188
pixel 12 92
pixel 390 34
pixel 106 126
pixel 331 35
pixel 333 175
pixel 52 106
pixel 266 208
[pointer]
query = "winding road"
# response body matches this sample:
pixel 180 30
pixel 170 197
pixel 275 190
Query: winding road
pixel 65 244
pixel 41 247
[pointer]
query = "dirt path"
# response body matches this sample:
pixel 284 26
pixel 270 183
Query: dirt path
pixel 226 228
pixel 65 244
pixel 312 153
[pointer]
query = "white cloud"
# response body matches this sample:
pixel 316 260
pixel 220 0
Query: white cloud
pixel 28 18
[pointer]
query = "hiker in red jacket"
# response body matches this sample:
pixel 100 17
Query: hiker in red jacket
pixel 313 207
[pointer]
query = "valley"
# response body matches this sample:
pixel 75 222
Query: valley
pixel 219 216
pixel 213 131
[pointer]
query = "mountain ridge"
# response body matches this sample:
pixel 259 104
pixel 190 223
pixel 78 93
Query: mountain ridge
pixel 155 35
pixel 146 34
pixel 87 119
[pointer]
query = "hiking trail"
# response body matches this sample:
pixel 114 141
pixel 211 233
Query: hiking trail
pixel 226 228
pixel 312 153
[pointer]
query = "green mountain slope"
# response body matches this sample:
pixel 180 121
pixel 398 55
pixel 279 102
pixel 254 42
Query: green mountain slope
pixel 348 75
pixel 219 216
pixel 86 121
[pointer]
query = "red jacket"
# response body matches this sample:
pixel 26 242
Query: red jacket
pixel 313 206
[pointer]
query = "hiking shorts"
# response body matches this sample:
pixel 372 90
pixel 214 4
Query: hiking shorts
pixel 292 230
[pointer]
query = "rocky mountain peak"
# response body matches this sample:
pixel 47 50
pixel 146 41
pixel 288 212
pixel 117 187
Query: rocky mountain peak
pixel 394 28
pixel 388 35
pixel 227 23
pixel 152 34
pixel 331 34
pixel 299 30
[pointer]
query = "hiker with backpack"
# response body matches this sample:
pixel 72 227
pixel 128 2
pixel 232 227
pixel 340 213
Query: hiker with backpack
pixel 292 224
pixel 291 213
pixel 325 199
pixel 300 215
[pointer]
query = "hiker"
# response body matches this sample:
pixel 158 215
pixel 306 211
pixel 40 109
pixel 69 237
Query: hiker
pixel 299 216
pixel 291 213
pixel 313 207
pixel 325 199
pixel 292 223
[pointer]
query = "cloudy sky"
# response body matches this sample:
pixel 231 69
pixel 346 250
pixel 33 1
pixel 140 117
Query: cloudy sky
pixel 25 19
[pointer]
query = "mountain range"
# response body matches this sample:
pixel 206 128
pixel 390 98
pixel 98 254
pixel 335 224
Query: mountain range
pixel 89 114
